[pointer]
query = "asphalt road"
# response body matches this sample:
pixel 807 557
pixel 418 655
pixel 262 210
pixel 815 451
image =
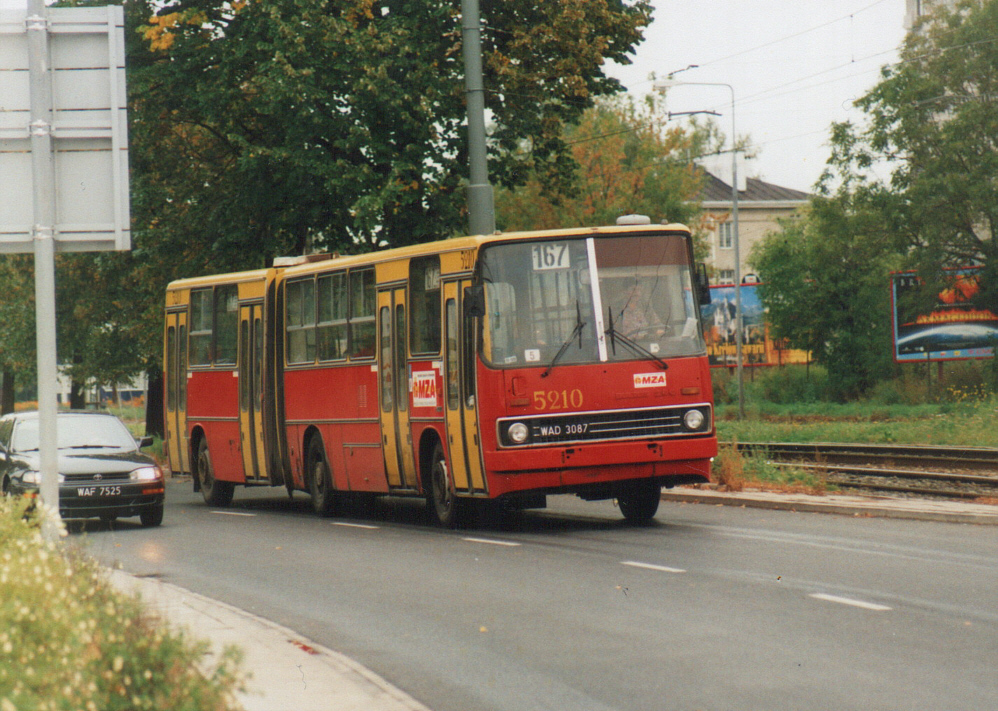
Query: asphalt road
pixel 709 608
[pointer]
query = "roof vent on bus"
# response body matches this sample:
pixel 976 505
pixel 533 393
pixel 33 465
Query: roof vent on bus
pixel 303 259
pixel 633 220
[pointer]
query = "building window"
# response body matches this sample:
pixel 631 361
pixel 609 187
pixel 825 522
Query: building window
pixel 725 276
pixel 726 235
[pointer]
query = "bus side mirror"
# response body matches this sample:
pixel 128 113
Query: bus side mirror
pixel 703 284
pixel 474 301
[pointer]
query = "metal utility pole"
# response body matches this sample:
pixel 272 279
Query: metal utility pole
pixel 662 86
pixel 43 237
pixel 481 206
pixel 71 194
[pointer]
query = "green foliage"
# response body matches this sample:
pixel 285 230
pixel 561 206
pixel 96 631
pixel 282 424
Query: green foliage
pixel 630 160
pixel 933 119
pixel 268 128
pixel 825 289
pixel 70 641
pixel 274 125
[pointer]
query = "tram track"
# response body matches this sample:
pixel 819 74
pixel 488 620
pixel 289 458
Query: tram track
pixel 967 473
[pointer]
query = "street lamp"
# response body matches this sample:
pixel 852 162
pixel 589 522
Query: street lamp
pixel 661 86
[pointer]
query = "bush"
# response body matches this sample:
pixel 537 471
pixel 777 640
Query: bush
pixel 68 640
pixel 793 384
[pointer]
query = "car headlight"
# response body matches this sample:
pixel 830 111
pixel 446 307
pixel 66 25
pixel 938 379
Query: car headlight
pixel 34 477
pixel 518 433
pixel 146 474
pixel 693 419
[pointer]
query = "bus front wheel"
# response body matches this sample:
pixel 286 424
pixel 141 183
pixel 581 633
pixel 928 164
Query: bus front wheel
pixel 215 492
pixel 638 500
pixel 320 481
pixel 443 504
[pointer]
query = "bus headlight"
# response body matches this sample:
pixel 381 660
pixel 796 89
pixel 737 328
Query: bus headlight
pixel 518 433
pixel 693 419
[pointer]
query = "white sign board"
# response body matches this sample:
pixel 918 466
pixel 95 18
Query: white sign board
pixel 88 130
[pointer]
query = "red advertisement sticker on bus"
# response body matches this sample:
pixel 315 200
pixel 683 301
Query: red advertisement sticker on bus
pixel 649 380
pixel 424 388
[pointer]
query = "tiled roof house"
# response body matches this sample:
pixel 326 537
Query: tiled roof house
pixel 760 204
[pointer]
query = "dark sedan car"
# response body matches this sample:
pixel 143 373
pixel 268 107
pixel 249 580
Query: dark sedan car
pixel 102 473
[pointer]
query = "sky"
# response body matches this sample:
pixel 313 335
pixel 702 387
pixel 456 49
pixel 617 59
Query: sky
pixel 795 67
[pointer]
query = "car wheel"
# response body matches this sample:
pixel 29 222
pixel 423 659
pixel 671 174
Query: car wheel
pixel 638 500
pixel 320 482
pixel 152 517
pixel 215 493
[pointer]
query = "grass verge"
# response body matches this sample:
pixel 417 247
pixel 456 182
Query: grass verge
pixel 69 640
pixel 736 471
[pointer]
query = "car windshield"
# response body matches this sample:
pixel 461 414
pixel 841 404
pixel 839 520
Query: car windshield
pixel 602 298
pixel 77 432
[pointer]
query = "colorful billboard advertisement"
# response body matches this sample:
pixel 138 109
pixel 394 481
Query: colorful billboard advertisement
pixel 946 327
pixel 757 347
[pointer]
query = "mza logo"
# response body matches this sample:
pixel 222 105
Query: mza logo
pixel 649 380
pixel 424 388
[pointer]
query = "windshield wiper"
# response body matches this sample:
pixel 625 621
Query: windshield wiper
pixel 577 331
pixel 633 346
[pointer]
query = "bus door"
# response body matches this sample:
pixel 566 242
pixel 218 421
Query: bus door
pixel 459 391
pixel 176 392
pixel 396 437
pixel 251 391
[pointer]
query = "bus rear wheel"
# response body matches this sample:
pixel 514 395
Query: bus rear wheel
pixel 638 500
pixel 442 503
pixel 320 482
pixel 215 492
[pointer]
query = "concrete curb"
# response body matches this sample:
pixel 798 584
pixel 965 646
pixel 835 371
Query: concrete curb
pixel 874 507
pixel 289 672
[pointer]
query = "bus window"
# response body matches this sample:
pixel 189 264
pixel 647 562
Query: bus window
pixel 226 325
pixel 387 369
pixel 333 306
pixel 362 309
pixel 453 371
pixel 424 301
pixel 538 298
pixel 200 327
pixel 171 367
pixel 646 288
pixel 301 321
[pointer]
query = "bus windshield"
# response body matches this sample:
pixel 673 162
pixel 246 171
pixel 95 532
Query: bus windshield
pixel 593 299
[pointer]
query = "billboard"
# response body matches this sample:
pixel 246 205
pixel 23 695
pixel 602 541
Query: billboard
pixel 947 326
pixel 757 346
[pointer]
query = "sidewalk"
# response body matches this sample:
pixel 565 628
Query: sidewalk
pixel 289 672
pixel 292 673
pixel 871 506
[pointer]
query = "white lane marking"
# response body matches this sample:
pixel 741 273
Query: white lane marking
pixel 233 513
pixel 354 525
pixel 650 566
pixel 849 601
pixel 491 541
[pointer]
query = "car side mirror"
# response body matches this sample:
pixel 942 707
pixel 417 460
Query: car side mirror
pixel 145 442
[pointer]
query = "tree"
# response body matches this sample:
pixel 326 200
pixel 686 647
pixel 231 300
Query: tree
pixel 292 123
pixel 933 126
pixel 265 128
pixel 628 160
pixel 824 287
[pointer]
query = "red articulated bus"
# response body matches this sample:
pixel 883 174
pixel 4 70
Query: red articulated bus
pixel 508 366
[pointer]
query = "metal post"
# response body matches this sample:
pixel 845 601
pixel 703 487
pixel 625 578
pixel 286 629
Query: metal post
pixel 43 167
pixel 662 86
pixel 739 332
pixel 481 207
